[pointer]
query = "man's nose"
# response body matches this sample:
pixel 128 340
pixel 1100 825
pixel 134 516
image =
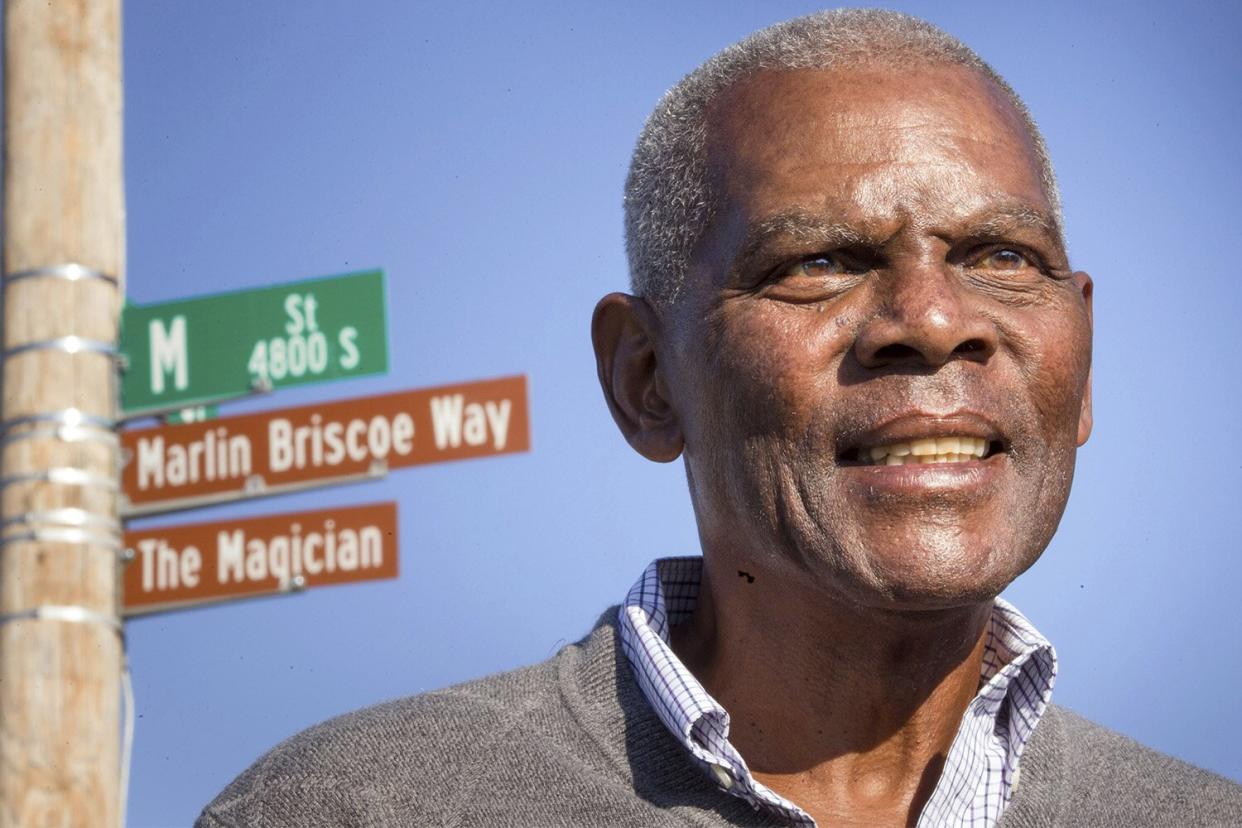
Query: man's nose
pixel 927 319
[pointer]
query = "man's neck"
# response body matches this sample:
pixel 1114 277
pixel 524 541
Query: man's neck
pixel 846 712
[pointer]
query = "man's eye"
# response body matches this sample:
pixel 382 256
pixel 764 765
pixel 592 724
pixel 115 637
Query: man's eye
pixel 821 265
pixel 815 278
pixel 1004 259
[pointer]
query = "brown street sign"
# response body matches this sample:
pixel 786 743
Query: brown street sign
pixel 180 466
pixel 176 566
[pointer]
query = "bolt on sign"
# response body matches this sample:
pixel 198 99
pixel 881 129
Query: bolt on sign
pixel 200 563
pixel 191 351
pixel 172 466
pixel 193 414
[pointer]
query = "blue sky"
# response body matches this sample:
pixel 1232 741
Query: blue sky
pixel 476 152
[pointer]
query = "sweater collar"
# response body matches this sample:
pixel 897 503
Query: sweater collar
pixel 602 695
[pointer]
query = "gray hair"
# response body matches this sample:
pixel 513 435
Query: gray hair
pixel 668 201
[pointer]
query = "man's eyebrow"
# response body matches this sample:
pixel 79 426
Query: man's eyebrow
pixel 1005 218
pixel 805 228
pixel 799 226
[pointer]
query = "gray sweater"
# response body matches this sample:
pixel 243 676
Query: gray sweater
pixel 572 741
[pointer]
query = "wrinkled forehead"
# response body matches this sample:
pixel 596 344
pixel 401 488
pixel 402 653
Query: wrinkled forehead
pixel 931 141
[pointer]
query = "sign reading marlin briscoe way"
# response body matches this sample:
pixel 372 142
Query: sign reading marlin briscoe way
pixel 254 454
pixel 215 347
pixel 205 562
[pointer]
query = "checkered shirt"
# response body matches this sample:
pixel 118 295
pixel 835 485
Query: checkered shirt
pixel 980 772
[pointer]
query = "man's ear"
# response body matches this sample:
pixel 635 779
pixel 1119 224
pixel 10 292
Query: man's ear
pixel 625 331
pixel 1085 421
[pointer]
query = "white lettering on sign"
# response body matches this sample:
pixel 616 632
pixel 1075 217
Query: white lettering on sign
pixel 297 356
pixel 301 312
pixel 217 456
pixel 168 353
pixel 454 422
pixel 164 567
pixel 349 355
pixel 282 557
pixel 332 443
pixel 304 351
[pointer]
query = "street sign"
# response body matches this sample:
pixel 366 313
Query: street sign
pixel 183 466
pixel 176 566
pixel 210 348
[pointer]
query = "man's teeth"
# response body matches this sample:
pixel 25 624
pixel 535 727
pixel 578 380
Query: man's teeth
pixel 929 450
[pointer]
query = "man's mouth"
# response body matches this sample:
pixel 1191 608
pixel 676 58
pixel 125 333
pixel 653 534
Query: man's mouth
pixel 943 449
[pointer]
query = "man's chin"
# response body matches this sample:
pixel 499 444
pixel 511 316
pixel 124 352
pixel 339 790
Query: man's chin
pixel 908 597
pixel 916 578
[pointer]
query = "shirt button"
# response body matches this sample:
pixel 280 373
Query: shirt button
pixel 723 776
pixel 1013 782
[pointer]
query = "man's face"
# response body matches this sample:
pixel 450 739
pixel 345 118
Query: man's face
pixel 882 271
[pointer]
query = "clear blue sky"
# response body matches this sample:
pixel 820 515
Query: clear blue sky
pixel 476 151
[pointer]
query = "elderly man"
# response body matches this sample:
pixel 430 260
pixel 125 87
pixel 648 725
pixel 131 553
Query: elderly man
pixel 855 320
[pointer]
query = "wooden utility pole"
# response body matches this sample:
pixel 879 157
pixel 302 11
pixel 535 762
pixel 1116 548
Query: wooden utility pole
pixel 60 649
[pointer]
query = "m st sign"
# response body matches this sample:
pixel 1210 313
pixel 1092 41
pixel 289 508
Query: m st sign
pixel 191 351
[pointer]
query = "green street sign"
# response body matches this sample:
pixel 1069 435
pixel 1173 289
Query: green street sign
pixel 209 348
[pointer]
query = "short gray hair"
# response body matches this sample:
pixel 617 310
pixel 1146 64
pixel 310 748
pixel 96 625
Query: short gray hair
pixel 668 201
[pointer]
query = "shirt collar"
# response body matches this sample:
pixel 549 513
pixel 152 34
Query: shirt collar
pixel 980 772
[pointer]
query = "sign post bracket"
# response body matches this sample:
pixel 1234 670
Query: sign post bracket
pixel 257 389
